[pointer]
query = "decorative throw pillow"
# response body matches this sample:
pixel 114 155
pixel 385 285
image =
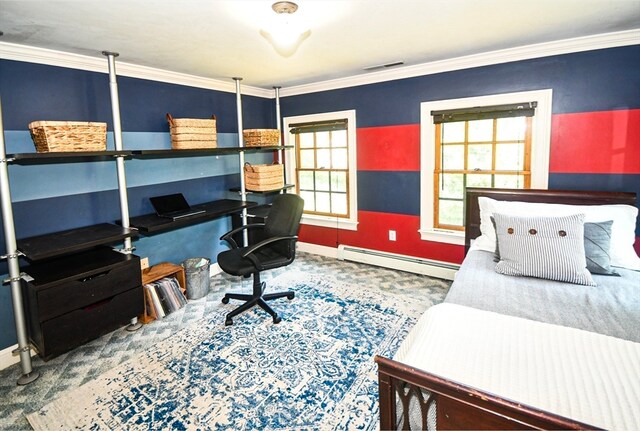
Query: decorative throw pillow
pixel 544 247
pixel 597 242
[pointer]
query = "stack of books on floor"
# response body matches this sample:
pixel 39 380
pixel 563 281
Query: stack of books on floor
pixel 163 297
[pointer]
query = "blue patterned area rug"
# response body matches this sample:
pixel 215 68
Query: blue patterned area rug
pixel 315 370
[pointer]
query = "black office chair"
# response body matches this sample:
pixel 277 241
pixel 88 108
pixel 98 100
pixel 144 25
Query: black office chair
pixel 277 248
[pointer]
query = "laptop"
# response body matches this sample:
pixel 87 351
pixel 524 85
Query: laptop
pixel 173 206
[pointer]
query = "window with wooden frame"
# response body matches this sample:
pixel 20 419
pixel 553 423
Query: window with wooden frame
pixel 479 147
pixel 322 167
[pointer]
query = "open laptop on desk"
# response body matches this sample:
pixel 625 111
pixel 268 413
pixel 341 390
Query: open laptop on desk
pixel 173 206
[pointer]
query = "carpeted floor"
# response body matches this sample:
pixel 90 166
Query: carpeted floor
pixel 87 363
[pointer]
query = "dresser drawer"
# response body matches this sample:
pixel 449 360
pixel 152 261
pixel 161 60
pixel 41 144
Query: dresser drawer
pixel 63 333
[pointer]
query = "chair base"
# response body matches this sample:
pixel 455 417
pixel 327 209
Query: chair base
pixel 257 298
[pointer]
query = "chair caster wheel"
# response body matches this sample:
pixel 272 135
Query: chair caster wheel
pixel 225 300
pixel 228 322
pixel 276 319
pixel 291 296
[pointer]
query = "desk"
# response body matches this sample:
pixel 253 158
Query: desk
pixel 151 223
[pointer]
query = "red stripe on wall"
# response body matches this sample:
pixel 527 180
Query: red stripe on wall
pixel 596 142
pixel 373 233
pixel 389 148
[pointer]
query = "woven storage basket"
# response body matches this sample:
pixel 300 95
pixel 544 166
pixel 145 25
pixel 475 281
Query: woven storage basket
pixel 192 133
pixel 260 178
pixel 53 136
pixel 261 137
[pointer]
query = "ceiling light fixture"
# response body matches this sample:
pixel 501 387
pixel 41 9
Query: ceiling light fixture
pixel 285 33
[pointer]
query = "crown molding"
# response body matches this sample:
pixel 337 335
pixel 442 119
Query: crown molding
pixel 567 46
pixel 30 54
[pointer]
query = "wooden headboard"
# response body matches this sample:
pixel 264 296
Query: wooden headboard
pixel 570 197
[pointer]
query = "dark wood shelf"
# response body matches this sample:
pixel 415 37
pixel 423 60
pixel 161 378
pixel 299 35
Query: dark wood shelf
pixel 65 157
pixel 266 192
pixel 71 241
pixel 151 223
pixel 220 151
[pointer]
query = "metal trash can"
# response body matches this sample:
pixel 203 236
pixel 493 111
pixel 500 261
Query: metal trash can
pixel 197 274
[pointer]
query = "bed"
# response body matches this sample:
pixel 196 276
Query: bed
pixel 505 352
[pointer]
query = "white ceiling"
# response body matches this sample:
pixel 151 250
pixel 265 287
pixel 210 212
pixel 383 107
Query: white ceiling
pixel 219 39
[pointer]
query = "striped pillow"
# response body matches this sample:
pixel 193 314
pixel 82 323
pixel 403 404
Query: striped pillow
pixel 544 247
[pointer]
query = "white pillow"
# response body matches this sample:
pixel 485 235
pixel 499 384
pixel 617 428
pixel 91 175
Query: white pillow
pixel 623 230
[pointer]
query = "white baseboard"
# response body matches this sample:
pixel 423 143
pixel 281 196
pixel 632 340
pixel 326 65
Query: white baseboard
pixel 7 358
pixel 321 250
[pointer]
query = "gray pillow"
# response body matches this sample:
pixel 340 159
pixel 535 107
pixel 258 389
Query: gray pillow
pixel 543 247
pixel 597 242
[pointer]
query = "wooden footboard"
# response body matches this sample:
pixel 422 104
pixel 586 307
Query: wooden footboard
pixel 411 399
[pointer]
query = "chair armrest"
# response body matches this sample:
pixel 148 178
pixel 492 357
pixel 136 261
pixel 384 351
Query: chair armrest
pixel 228 236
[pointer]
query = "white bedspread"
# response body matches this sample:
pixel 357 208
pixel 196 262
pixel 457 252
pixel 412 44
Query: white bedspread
pixel 581 375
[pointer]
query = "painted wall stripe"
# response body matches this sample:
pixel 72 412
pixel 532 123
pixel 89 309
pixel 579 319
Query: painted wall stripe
pixel 596 142
pixel 389 191
pixel 390 148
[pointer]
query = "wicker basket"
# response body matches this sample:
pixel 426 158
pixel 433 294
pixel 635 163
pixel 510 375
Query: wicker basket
pixel 260 178
pixel 53 136
pixel 192 133
pixel 261 137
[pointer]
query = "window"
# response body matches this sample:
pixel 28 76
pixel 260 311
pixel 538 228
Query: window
pixel 492 141
pixel 322 166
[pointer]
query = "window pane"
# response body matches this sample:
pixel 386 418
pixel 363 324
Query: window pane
pixel 322 180
pixel 339 138
pixel 481 130
pixel 309 200
pixel 324 159
pixel 452 157
pixel 453 132
pixel 323 139
pixel 479 180
pixel 510 157
pixel 306 140
pixel 339 203
pixel 307 159
pixel 339 181
pixel 479 157
pixel 509 181
pixel 450 212
pixel 306 180
pixel 339 158
pixel 451 186
pixel 511 129
pixel 323 202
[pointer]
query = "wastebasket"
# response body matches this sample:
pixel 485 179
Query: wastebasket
pixel 197 274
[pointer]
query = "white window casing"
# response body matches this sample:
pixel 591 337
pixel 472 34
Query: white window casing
pixel 540 146
pixel 350 223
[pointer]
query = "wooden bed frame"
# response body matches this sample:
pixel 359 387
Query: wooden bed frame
pixel 460 407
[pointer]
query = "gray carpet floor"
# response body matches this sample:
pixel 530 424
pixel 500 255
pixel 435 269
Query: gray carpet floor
pixel 86 362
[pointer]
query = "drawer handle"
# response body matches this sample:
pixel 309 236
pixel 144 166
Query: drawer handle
pixel 93 277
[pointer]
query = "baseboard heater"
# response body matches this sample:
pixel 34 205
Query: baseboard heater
pixel 401 262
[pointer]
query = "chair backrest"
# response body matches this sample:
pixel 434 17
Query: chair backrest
pixel 284 216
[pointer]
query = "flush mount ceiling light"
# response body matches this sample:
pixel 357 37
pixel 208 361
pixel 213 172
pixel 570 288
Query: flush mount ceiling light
pixel 285 32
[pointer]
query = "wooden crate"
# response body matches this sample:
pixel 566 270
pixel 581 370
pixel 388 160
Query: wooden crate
pixel 260 178
pixel 155 273
pixel 68 136
pixel 261 137
pixel 192 133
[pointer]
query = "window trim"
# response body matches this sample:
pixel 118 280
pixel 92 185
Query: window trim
pixel 540 147
pixel 350 223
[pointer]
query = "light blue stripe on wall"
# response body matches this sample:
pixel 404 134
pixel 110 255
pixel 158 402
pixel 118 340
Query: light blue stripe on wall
pixel 45 181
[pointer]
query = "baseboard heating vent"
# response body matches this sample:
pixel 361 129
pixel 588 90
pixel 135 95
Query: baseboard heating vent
pixel 433 268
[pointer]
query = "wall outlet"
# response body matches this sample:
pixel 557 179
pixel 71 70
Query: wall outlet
pixel 392 235
pixel 144 263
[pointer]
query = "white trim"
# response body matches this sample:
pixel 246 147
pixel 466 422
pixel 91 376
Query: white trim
pixel 320 250
pixel 7 358
pixel 31 54
pixel 290 174
pixel 540 147
pixel 547 49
